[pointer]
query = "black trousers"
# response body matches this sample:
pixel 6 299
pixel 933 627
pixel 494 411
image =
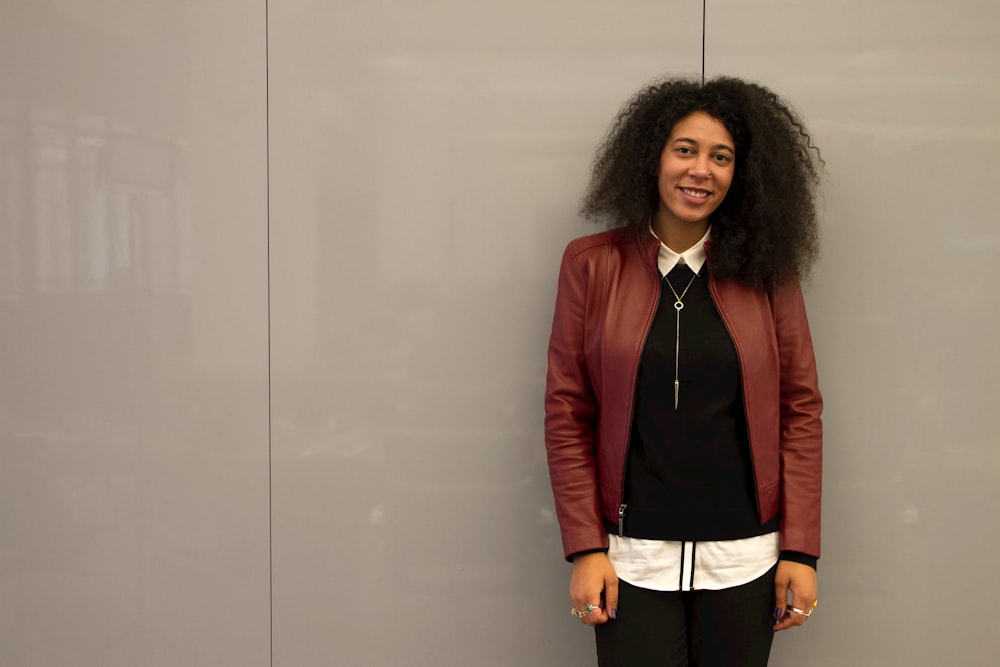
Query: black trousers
pixel 726 628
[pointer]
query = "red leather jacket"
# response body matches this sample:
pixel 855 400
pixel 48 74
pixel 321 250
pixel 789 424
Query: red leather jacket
pixel 609 287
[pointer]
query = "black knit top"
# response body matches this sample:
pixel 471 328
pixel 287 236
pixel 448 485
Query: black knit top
pixel 689 475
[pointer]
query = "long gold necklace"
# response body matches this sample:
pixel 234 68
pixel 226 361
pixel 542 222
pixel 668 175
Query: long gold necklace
pixel 678 306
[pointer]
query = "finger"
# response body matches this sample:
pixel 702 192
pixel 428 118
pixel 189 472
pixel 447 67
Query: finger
pixel 611 598
pixel 797 613
pixel 780 598
pixel 803 598
pixel 582 599
pixel 791 619
pixel 597 616
pixel 592 601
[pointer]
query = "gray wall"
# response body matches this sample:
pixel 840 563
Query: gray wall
pixel 275 286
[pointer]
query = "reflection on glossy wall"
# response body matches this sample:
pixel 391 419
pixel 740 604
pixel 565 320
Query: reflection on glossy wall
pixel 133 335
pixel 275 287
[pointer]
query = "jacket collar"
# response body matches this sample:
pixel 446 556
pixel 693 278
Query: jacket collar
pixel 649 245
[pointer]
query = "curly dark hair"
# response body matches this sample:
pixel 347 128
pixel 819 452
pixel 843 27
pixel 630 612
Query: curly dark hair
pixel 765 231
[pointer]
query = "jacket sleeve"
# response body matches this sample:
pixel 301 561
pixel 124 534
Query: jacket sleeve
pixel 801 434
pixel 571 410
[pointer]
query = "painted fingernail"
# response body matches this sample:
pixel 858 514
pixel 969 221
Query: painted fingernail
pixel 777 613
pixel 614 614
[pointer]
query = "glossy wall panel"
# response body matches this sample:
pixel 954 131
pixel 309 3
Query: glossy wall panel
pixel 426 163
pixel 276 280
pixel 133 334
pixel 905 102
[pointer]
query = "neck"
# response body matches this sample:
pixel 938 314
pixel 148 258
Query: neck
pixel 679 236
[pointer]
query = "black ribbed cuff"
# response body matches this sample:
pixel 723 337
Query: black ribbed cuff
pixel 799 557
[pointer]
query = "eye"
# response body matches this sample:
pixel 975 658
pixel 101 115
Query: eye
pixel 722 158
pixel 684 150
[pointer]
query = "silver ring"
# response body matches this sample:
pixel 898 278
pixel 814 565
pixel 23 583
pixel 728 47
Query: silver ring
pixel 801 612
pixel 580 613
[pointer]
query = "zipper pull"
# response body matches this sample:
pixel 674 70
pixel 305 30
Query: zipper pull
pixel 621 520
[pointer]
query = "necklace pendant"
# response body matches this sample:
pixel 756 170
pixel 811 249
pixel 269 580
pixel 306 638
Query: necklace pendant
pixel 678 306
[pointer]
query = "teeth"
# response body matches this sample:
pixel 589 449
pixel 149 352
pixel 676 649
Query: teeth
pixel 695 193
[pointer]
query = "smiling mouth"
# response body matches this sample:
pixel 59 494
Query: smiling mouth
pixel 695 192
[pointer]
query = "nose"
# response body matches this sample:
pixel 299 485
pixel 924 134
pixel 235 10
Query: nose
pixel 701 168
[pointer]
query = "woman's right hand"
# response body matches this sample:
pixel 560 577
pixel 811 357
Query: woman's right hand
pixel 593 575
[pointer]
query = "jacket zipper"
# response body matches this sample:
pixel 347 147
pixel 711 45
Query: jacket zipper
pixel 622 506
pixel 743 387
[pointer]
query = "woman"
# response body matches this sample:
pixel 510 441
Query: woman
pixel 682 409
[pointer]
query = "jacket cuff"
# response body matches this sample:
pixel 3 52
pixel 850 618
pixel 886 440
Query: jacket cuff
pixel 799 557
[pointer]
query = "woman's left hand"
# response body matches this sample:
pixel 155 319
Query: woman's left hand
pixel 801 581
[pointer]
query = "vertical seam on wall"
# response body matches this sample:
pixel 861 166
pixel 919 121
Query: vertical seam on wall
pixel 267 190
pixel 704 13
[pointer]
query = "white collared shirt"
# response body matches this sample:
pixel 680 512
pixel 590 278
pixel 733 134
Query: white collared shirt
pixel 694 256
pixel 666 565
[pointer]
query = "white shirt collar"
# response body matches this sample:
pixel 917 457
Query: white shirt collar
pixel 694 256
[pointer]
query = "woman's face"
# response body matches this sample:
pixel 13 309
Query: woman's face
pixel 696 170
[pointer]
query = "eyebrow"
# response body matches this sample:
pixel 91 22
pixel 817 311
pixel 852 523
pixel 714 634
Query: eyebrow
pixel 716 147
